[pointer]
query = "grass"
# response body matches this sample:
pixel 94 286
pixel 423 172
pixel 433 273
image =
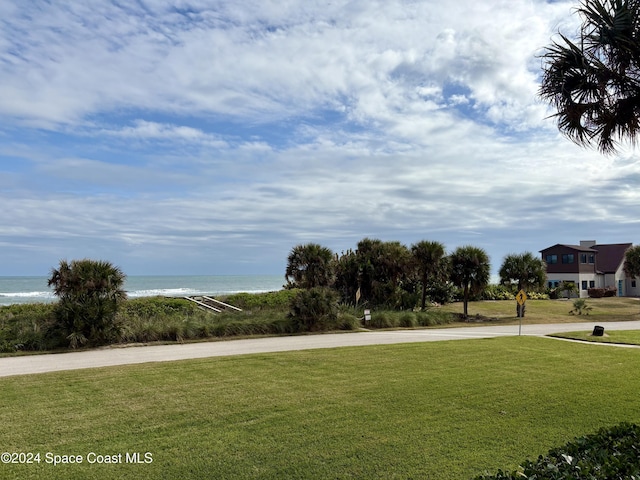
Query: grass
pixel 444 410
pixel 610 309
pixel 622 337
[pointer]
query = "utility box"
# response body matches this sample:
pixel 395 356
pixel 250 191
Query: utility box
pixel 598 331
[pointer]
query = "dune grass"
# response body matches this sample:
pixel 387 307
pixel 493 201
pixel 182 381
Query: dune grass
pixel 622 337
pixel 444 410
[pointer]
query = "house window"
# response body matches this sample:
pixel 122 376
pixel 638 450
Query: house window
pixel 633 284
pixel 567 258
pixel 592 284
pixel 584 284
pixel 592 258
pixel 583 258
pixel 552 259
pixel 553 283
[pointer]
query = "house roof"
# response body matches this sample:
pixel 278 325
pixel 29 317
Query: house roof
pixel 580 248
pixel 611 256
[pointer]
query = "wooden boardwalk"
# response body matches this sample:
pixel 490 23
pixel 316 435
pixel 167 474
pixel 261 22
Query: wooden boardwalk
pixel 211 304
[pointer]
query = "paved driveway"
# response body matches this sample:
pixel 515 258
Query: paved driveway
pixel 164 353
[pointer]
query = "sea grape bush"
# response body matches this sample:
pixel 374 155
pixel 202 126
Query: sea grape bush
pixel 610 454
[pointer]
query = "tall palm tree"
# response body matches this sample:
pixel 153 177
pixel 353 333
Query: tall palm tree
pixel 89 292
pixel 525 271
pixel 594 83
pixel 309 266
pixel 470 271
pixel 430 261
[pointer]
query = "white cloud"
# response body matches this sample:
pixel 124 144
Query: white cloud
pixel 233 130
pixel 162 132
pixel 268 61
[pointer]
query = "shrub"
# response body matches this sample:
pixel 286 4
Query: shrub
pixel 347 321
pixel 497 292
pixel 580 306
pixel 441 292
pixel 314 310
pixel 537 296
pixel 434 316
pixel 426 318
pixel 28 327
pixel 552 293
pixel 155 307
pixel 596 292
pixel 602 292
pixel 408 320
pixel 258 301
pixel 383 320
pixel 611 453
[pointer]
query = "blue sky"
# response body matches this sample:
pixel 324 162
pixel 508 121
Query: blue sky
pixel 210 137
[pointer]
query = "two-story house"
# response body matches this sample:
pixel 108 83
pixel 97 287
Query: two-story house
pixel 590 265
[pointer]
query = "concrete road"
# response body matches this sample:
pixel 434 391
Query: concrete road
pixel 111 356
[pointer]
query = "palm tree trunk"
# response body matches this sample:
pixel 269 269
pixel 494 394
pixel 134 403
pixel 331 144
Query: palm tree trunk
pixel 465 301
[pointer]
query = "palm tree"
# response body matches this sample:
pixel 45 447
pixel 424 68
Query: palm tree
pixel 569 288
pixel 632 261
pixel 594 84
pixel 525 271
pixel 309 266
pixel 470 270
pixel 430 261
pixel 89 292
pixel 347 276
pixel 384 269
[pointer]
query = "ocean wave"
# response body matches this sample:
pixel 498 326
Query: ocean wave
pixel 169 292
pixel 27 294
pixel 20 290
pixel 185 292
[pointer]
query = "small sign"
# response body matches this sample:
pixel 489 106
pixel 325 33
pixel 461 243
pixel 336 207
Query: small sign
pixel 367 315
pixel 521 297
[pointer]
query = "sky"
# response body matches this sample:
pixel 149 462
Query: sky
pixel 194 137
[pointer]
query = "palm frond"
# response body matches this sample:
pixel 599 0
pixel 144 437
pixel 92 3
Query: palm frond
pixel 594 84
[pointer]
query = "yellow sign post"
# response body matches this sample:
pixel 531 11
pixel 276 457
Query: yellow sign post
pixel 521 297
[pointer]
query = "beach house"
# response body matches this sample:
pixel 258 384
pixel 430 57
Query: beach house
pixel 590 265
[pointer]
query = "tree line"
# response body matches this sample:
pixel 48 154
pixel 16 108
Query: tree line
pixel 382 274
pixel 391 275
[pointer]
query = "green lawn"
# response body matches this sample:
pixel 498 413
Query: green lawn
pixel 611 309
pixel 625 337
pixel 444 410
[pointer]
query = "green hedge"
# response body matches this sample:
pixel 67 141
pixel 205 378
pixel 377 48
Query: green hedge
pixel 611 454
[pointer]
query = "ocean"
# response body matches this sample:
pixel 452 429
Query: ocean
pixel 34 289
